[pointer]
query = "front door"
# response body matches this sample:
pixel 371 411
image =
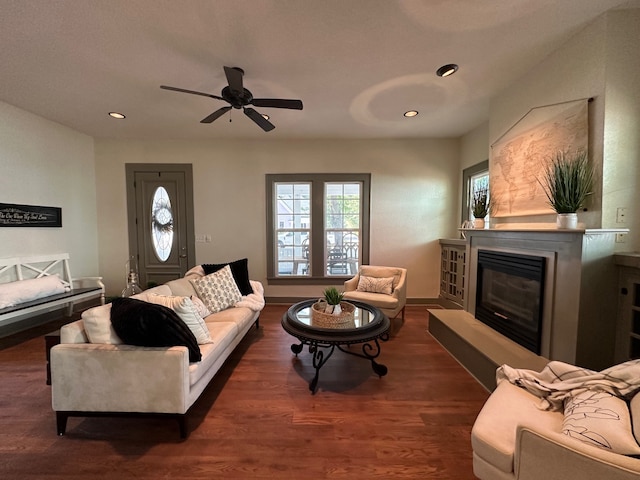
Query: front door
pixel 161 232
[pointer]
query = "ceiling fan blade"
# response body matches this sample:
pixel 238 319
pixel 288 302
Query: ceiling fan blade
pixel 265 124
pixel 176 89
pixel 215 115
pixel 234 78
pixel 277 103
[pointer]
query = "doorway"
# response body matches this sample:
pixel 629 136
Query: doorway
pixel 160 220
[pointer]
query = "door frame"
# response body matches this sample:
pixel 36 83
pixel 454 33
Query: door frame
pixel 130 170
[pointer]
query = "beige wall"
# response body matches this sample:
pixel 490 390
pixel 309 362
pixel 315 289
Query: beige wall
pixel 44 163
pixel 621 165
pixel 600 62
pixel 413 198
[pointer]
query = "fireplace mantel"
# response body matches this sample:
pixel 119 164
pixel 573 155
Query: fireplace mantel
pixel 579 319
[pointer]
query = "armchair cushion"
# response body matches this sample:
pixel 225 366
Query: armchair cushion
pixel 375 284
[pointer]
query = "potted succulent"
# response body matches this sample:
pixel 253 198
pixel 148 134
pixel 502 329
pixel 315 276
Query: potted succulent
pixel 333 297
pixel 480 206
pixel 567 180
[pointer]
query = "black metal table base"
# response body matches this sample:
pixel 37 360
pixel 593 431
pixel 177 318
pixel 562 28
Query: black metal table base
pixel 370 351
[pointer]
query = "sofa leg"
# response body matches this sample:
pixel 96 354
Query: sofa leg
pixel 182 424
pixel 257 323
pixel 61 422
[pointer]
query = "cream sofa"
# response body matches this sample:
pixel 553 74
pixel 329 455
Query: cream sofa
pixel 94 379
pixel 514 439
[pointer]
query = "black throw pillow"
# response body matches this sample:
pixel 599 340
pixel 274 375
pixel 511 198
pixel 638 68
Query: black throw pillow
pixel 150 325
pixel 239 270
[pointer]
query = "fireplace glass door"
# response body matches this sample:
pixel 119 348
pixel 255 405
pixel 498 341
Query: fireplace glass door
pixel 509 295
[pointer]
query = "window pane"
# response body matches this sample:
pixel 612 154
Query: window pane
pixel 293 206
pixel 342 228
pixel 479 183
pixel 161 224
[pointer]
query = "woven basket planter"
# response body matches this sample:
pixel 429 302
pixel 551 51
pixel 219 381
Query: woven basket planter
pixel 328 320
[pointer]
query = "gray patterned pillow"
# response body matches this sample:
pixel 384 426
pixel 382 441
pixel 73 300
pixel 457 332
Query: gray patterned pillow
pixel 218 290
pixel 375 284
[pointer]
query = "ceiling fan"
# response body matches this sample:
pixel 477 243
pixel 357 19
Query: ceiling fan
pixel 239 97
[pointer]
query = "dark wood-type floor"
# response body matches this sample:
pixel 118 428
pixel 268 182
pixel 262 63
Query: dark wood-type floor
pixel 257 419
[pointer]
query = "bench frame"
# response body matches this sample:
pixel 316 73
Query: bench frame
pixel 23 268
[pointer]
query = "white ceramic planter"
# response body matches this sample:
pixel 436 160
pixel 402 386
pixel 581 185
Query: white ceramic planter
pixel 567 220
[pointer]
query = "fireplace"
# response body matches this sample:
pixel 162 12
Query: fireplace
pixel 509 295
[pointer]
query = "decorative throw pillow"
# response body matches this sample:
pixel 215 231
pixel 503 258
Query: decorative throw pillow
pixel 97 324
pixel 150 325
pixel 375 284
pixel 218 290
pixel 201 308
pixel 20 291
pixel 600 419
pixel 239 270
pixel 187 312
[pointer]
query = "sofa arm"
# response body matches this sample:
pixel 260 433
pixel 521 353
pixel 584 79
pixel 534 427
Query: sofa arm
pixel 119 378
pixel 553 455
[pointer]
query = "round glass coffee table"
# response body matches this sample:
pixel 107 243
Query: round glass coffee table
pixel 368 327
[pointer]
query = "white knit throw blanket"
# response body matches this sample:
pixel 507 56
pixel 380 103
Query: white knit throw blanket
pixel 559 380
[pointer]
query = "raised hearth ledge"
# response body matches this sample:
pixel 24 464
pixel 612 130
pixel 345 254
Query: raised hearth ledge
pixel 479 348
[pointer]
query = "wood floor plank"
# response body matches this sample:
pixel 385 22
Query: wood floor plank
pixel 258 420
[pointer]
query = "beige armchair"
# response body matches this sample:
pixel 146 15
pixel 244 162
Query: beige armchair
pixel 391 303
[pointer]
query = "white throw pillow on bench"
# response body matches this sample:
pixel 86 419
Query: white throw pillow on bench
pixel 20 291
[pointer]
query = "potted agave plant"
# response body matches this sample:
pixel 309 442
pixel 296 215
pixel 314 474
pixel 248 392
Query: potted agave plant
pixel 333 297
pixel 567 180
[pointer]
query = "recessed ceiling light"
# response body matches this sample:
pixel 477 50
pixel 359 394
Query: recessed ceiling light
pixel 265 116
pixel 411 113
pixel 447 70
pixel 116 115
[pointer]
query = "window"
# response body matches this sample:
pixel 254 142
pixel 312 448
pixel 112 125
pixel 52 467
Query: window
pixel 317 226
pixel 475 179
pixel 162 224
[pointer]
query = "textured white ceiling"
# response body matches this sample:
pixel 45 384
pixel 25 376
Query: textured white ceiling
pixel 356 64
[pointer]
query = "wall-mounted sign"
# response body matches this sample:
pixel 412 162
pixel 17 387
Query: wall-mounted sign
pixel 12 215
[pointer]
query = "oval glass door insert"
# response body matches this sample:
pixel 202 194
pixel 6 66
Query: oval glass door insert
pixel 161 224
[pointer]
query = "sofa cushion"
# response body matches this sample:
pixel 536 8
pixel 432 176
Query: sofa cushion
pixel 493 436
pixel 97 324
pixel 218 290
pixel 20 291
pixel 181 287
pixel 600 419
pixel 187 312
pixel 375 284
pixel 378 299
pixel 223 335
pixel 239 270
pixel 149 325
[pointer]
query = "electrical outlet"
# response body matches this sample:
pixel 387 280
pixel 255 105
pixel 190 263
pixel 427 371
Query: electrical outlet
pixel 621 237
pixel 621 215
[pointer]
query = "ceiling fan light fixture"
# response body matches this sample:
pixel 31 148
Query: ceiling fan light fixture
pixel 117 115
pixel 446 70
pixel 411 113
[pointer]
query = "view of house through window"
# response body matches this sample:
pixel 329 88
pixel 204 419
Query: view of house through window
pixel 475 181
pixel 317 225
pixel 479 189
